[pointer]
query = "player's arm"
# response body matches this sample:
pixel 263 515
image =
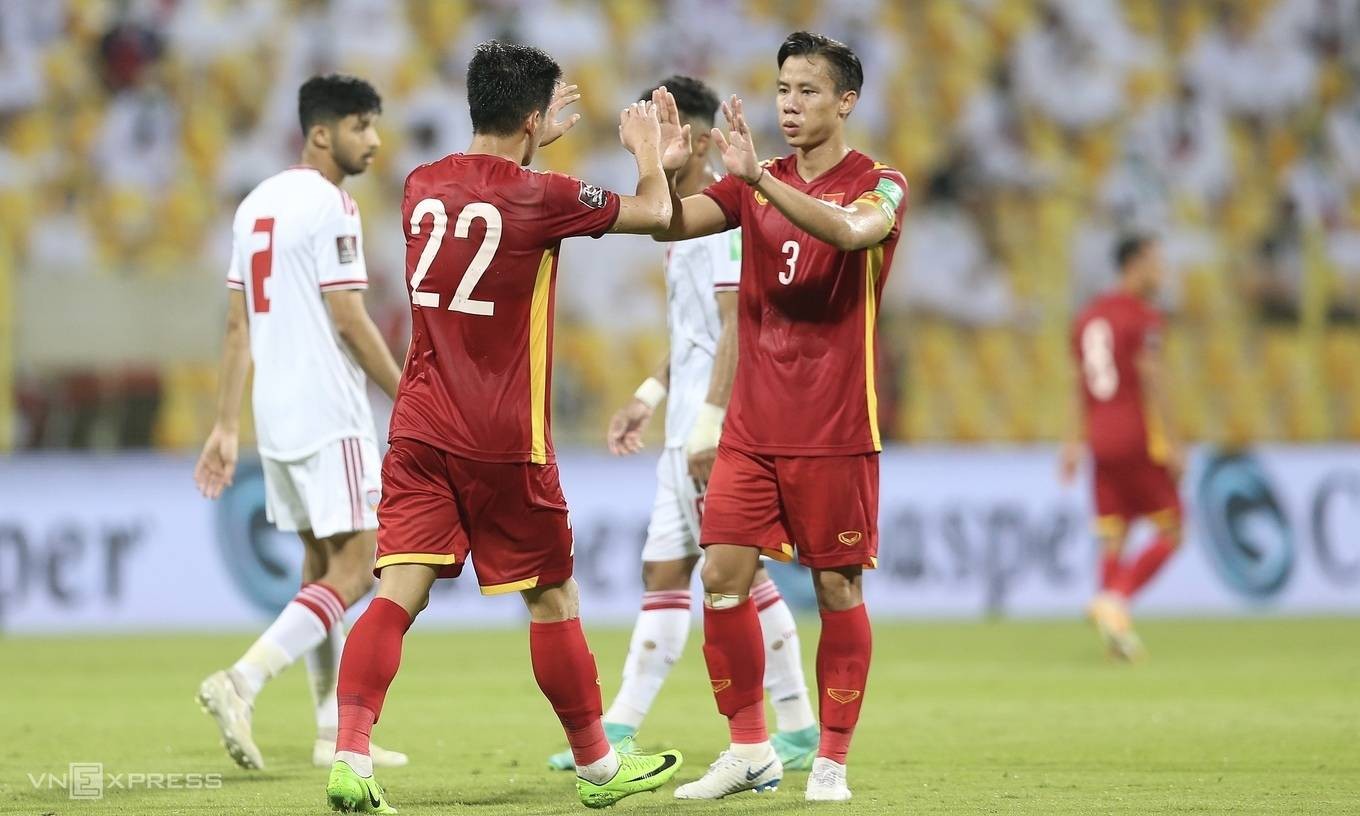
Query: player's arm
pixel 702 446
pixel 363 339
pixel 216 465
pixel 628 423
pixel 864 223
pixel 649 209
pixel 1157 397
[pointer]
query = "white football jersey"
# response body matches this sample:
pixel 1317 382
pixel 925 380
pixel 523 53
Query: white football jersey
pixel 294 237
pixel 695 270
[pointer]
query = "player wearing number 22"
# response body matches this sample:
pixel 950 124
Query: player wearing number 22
pixel 1122 400
pixel 471 470
pixel 797 465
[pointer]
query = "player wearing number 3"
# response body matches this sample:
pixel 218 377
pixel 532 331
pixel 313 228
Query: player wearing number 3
pixel 1121 403
pixel 797 465
pixel 471 469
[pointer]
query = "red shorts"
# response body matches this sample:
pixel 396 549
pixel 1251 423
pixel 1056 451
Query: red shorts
pixel 437 508
pixel 824 508
pixel 1131 489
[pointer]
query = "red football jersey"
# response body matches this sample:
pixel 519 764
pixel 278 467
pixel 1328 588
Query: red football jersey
pixel 482 237
pixel 1106 339
pixel 805 372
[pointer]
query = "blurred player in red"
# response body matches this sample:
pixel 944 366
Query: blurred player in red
pixel 471 469
pixel 1122 411
pixel 797 465
pixel 296 311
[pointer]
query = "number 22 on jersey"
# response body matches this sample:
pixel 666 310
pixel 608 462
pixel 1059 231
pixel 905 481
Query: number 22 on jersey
pixel 462 300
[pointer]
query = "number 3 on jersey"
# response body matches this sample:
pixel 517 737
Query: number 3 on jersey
pixel 462 297
pixel 792 249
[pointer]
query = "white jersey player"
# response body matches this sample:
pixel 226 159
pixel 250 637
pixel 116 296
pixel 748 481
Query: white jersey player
pixel 702 276
pixel 296 311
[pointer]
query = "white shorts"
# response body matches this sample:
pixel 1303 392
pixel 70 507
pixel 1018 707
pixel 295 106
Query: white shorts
pixel 673 532
pixel 335 490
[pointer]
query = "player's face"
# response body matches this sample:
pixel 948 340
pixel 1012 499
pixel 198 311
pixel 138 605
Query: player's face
pixel 354 142
pixel 810 110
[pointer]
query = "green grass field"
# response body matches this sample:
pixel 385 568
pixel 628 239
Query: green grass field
pixel 1007 718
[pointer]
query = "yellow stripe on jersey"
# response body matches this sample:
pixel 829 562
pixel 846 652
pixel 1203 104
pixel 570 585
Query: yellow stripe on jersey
pixel 1158 449
pixel 873 264
pixel 538 361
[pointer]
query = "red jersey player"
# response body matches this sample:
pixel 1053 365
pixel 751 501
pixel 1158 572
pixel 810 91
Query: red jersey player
pixel 797 465
pixel 471 469
pixel 1122 404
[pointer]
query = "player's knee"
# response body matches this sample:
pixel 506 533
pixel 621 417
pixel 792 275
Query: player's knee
pixel 719 580
pixel 838 589
pixel 666 576
pixel 552 604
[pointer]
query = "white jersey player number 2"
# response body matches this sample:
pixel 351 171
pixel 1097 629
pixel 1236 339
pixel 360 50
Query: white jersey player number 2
pixel 1097 359
pixel 462 297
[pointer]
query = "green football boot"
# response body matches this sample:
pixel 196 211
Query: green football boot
pixel 349 792
pixel 638 773
pixel 797 749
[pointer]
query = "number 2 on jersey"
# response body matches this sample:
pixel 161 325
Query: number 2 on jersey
pixel 1097 359
pixel 261 265
pixel 462 297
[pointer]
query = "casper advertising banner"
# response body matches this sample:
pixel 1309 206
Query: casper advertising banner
pixel 124 543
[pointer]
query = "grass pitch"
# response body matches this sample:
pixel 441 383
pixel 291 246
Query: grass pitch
pixel 1005 718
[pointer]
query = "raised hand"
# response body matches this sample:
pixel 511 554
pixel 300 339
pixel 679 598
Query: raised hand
pixel 737 147
pixel 563 95
pixel 217 464
pixel 675 138
pixel 639 129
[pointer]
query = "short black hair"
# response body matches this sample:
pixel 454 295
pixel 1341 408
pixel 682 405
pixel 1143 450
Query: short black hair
pixel 1129 247
pixel 693 98
pixel 334 96
pixel 505 83
pixel 846 70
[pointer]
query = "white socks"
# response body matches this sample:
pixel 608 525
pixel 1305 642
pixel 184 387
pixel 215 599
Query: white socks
pixel 784 682
pixel 298 629
pixel 658 640
pixel 323 670
pixel 361 763
pixel 754 752
pixel 601 770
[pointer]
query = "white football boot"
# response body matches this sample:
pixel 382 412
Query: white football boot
pixel 731 774
pixel 826 783
pixel 218 697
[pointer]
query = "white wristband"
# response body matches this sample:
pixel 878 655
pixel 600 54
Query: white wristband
pixel 650 393
pixel 707 429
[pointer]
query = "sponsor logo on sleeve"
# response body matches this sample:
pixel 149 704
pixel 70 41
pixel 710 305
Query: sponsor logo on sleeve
pixel 592 196
pixel 346 248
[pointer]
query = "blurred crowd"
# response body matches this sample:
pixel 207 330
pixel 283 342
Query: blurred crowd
pixel 1032 132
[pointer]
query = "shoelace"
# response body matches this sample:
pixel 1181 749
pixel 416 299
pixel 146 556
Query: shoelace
pixel 824 776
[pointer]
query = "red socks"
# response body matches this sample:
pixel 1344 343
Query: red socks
pixel 565 671
pixel 372 654
pixel 1133 577
pixel 735 653
pixel 843 655
pixel 1109 568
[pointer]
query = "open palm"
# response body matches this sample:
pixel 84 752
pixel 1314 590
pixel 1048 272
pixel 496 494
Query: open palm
pixel 737 147
pixel 563 95
pixel 675 142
